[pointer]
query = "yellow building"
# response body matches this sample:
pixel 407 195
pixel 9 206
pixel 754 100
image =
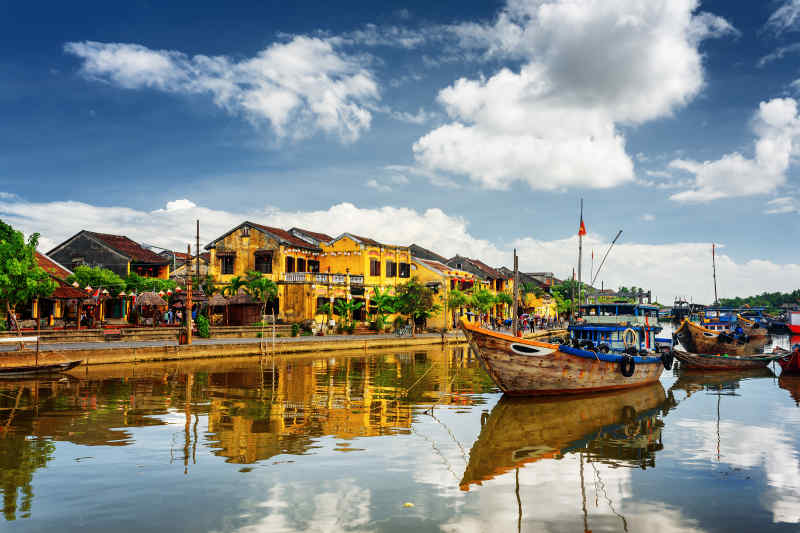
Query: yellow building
pixel 443 279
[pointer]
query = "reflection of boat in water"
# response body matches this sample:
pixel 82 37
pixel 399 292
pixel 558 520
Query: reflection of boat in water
pixel 691 380
pixel 791 383
pixel 620 427
pixel 527 367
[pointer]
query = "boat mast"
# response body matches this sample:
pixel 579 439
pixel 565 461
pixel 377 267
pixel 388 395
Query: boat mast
pixel 714 266
pixel 515 320
pixel 580 255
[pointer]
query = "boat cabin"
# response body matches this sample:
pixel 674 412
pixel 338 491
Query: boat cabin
pixel 615 327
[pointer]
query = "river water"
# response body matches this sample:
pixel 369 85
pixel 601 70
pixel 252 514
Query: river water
pixel 392 441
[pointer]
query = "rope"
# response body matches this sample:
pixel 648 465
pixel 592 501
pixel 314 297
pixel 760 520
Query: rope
pixel 420 379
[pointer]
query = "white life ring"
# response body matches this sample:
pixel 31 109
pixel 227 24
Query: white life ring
pixel 631 334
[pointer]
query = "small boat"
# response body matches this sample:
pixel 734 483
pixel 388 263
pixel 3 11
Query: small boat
pixel 19 371
pixel 724 362
pixel 527 367
pixel 700 340
pixel 790 362
pixel 793 321
pixel 621 428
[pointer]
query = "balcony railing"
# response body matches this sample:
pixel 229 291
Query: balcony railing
pixel 322 278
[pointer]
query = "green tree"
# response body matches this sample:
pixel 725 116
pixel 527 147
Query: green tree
pixel 482 301
pixel 456 300
pixel 345 309
pixel 384 304
pixel 233 286
pixel 97 278
pixel 531 288
pixel 140 284
pixel 504 298
pixel 416 301
pixel 21 278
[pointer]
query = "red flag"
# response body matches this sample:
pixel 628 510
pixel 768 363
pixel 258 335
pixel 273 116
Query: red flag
pixel 582 229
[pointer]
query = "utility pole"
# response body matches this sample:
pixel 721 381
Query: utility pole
pixel 189 301
pixel 514 319
pixel 197 249
pixel 580 256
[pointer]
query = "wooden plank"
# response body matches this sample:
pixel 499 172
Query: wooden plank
pixel 18 339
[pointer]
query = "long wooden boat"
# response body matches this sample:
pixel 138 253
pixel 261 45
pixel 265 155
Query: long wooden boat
pixel 700 340
pixel 724 362
pixel 790 362
pixel 621 427
pixel 527 367
pixel 15 372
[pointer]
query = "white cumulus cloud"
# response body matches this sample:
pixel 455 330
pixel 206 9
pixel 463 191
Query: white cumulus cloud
pixel 588 66
pixel 298 87
pixel 777 129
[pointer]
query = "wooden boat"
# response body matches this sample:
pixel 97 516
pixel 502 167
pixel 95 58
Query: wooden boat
pixel 790 362
pixel 15 372
pixel 527 367
pixel 618 426
pixel 699 340
pixel 724 362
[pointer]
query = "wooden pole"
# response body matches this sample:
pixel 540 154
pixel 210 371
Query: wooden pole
pixel 714 266
pixel 38 329
pixel 189 301
pixel 580 258
pixel 197 259
pixel 514 319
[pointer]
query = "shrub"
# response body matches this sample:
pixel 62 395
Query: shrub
pixel 295 330
pixel 203 329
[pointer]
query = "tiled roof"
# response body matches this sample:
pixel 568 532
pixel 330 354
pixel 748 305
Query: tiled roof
pixel 65 291
pixel 129 248
pixel 424 253
pixel 314 235
pixel 487 269
pixel 285 237
pixel 52 267
pixel 367 240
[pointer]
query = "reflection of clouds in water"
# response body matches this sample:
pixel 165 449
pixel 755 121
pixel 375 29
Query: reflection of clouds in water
pixel 550 491
pixel 551 498
pixel 750 447
pixel 338 506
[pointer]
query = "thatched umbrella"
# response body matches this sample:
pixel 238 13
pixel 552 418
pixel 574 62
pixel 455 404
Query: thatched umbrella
pixel 150 299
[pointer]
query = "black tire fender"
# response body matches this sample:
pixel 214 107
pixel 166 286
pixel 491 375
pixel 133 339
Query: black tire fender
pixel 667 358
pixel 627 366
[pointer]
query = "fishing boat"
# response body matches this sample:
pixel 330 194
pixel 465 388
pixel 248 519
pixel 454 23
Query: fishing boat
pixel 751 328
pixel 20 371
pixel 616 327
pixel 793 321
pixel 724 362
pixel 618 427
pixel 528 367
pixel 700 340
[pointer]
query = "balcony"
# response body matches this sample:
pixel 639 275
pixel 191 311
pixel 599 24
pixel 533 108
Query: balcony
pixel 321 278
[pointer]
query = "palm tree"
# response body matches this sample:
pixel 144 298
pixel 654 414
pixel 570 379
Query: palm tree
pixel 264 290
pixel 345 308
pixel 482 300
pixel 236 283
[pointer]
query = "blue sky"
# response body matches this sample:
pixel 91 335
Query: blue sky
pixel 469 127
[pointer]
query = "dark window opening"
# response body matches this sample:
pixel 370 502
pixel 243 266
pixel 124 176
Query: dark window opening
pixel 391 269
pixel 301 264
pixel 246 231
pixel 226 264
pixel 405 270
pixel 313 266
pixel 289 264
pixel 264 263
pixel 374 267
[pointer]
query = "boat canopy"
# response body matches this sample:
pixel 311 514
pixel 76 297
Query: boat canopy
pixel 618 309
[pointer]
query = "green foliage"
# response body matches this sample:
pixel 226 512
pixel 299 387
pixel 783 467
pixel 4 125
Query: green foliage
pixel 504 298
pixel 135 282
pixel 771 300
pixel 416 300
pixel 325 309
pixel 295 330
pixel 203 327
pixel 261 289
pixel 207 284
pixel 345 309
pixel 21 277
pixel 483 300
pixel 531 288
pixel 457 299
pixel 384 304
pixel 233 286
pixel 97 277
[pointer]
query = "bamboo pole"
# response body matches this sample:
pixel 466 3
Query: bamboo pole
pixel 515 309
pixel 189 301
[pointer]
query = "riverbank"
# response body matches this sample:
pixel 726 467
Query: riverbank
pixel 95 353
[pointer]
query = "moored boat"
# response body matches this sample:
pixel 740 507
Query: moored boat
pixel 527 367
pixel 699 340
pixel 617 327
pixel 724 362
pixel 793 321
pixel 790 362
pixel 752 328
pixel 19 371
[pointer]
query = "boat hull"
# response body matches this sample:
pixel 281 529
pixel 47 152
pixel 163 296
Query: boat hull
pixel 33 370
pixel 699 340
pixel 790 364
pixel 553 368
pixel 723 362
